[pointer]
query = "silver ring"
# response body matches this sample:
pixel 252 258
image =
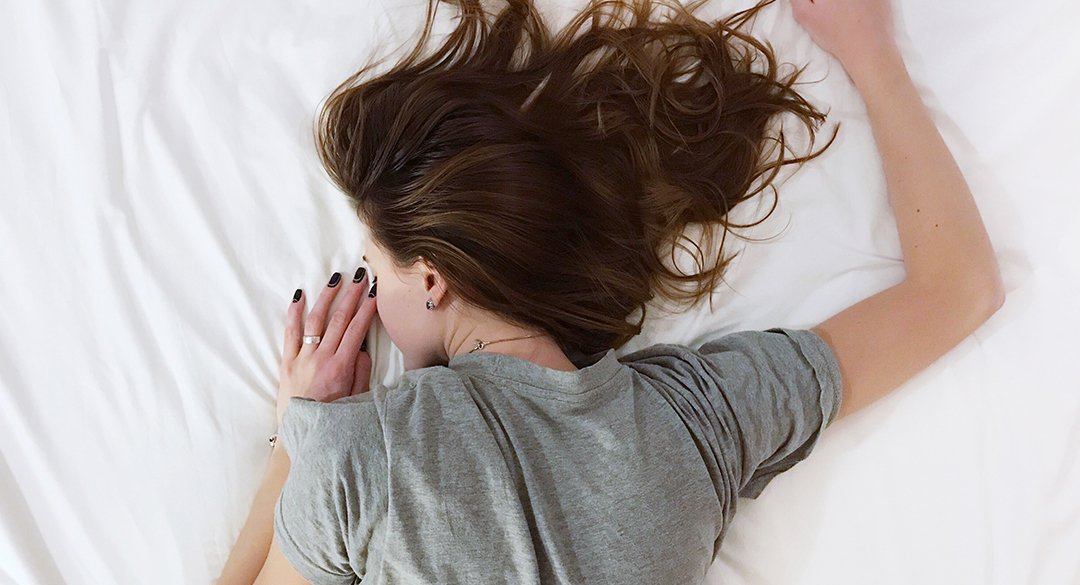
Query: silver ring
pixel 312 338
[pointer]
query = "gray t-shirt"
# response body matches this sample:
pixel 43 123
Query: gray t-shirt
pixel 495 469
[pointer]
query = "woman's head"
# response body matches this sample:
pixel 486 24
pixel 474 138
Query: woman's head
pixel 544 180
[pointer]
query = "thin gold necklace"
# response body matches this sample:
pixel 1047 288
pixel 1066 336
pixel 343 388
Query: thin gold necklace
pixel 483 344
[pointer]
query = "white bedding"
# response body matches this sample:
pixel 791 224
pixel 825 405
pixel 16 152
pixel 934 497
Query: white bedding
pixel 161 201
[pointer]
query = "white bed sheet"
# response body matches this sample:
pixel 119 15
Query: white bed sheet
pixel 161 200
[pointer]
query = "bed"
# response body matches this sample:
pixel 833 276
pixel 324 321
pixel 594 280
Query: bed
pixel 161 200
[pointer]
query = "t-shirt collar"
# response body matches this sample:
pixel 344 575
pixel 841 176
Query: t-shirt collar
pixel 593 370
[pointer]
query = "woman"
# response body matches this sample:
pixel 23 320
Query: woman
pixel 519 194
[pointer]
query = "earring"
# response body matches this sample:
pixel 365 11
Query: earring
pixel 430 305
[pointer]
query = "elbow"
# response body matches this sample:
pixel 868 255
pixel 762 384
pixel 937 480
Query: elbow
pixel 994 301
pixel 977 297
pixel 991 289
pixel 981 303
pixel 988 295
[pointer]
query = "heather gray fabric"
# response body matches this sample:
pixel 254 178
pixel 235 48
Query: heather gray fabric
pixel 498 470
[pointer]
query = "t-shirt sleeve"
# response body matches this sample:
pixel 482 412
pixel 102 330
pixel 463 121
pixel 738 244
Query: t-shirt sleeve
pixel 758 400
pixel 331 499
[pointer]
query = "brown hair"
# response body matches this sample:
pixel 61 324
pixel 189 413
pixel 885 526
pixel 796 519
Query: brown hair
pixel 547 178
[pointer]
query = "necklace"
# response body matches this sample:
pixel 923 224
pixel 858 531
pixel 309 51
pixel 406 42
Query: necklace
pixel 483 344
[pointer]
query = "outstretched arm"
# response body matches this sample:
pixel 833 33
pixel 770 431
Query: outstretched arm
pixel 953 283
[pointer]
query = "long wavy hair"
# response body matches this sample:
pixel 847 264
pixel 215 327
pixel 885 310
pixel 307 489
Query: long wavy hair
pixel 547 176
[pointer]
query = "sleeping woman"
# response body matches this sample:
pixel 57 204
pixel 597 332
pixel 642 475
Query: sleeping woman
pixel 520 192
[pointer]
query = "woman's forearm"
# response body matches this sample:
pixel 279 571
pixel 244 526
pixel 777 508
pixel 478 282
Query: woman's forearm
pixel 941 233
pixel 252 546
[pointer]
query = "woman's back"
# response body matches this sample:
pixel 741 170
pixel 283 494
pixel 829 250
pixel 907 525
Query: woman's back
pixel 498 470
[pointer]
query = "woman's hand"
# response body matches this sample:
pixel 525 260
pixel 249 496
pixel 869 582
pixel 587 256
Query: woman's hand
pixel 336 366
pixel 854 31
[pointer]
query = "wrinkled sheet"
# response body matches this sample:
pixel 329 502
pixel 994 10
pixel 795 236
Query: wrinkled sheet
pixel 161 200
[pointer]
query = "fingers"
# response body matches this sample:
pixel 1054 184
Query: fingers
pixel 344 315
pixel 315 323
pixel 358 328
pixel 294 324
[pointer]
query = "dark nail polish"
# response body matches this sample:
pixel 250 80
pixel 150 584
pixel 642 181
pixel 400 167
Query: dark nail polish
pixel 296 296
pixel 336 278
pixel 372 292
pixel 360 272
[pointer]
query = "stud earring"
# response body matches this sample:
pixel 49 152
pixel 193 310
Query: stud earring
pixel 430 305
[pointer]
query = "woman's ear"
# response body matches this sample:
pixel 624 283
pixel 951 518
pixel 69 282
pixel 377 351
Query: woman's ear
pixel 434 284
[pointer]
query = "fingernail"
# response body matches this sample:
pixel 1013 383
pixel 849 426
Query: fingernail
pixel 359 274
pixel 372 292
pixel 336 278
pixel 296 296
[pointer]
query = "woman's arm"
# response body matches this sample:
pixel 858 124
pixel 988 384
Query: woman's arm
pixel 331 369
pixel 253 545
pixel 941 232
pixel 952 282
